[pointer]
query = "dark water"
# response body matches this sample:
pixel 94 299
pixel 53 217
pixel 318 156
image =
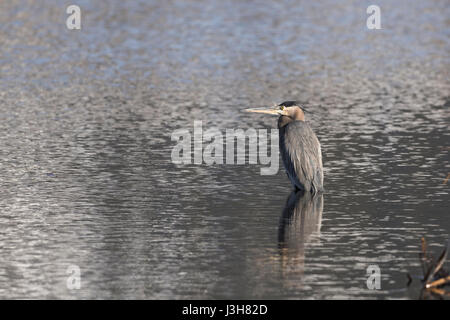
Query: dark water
pixel 86 174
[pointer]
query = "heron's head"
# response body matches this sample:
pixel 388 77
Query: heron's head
pixel 290 109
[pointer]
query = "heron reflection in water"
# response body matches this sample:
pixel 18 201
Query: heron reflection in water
pixel 299 147
pixel 299 225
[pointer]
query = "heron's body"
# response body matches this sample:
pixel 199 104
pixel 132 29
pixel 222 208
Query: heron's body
pixel 301 155
pixel 299 147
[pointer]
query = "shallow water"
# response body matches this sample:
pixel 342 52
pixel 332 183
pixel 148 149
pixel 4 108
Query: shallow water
pixel 86 172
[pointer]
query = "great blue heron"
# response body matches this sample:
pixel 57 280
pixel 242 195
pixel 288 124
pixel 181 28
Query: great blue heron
pixel 299 147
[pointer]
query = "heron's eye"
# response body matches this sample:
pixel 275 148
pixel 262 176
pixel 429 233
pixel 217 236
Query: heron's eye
pixel 281 107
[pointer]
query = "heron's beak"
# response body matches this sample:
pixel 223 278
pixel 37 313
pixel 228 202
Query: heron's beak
pixel 265 110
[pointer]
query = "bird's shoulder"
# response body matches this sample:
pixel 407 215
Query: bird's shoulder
pixel 301 128
pixel 301 141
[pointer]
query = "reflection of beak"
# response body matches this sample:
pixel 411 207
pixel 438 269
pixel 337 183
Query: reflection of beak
pixel 264 110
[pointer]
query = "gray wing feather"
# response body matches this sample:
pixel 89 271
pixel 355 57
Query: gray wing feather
pixel 304 155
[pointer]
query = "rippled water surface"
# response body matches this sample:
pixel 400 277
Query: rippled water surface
pixel 86 174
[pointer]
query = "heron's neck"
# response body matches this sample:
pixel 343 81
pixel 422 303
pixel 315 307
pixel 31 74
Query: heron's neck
pixel 298 115
pixel 284 120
